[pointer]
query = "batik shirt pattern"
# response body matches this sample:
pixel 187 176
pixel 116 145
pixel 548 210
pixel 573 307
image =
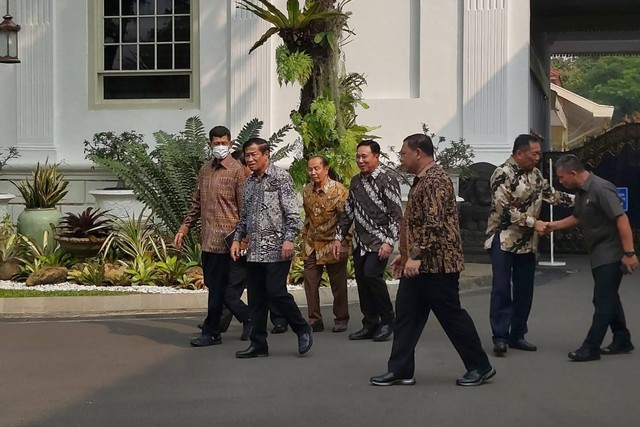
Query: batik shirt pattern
pixel 270 215
pixel 322 208
pixel 375 209
pixel 521 193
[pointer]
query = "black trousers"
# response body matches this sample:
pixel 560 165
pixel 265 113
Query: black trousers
pixel 416 298
pixel 509 315
pixel 267 284
pixel 373 294
pixel 237 283
pixel 233 302
pixel 215 268
pixel 608 308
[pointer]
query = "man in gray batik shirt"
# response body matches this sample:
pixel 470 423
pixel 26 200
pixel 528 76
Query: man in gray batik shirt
pixel 609 241
pixel 271 216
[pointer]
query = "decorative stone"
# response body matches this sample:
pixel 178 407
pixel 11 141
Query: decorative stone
pixel 115 274
pixel 48 276
pixel 9 269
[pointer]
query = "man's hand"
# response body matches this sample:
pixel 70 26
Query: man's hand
pixel 396 266
pixel 630 263
pixel 288 249
pixel 541 227
pixel 385 251
pixel 337 249
pixel 178 239
pixel 235 250
pixel 412 267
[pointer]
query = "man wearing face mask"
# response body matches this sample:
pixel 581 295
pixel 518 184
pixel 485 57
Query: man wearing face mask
pixel 217 202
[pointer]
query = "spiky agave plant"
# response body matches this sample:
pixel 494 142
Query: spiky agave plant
pixel 47 188
pixel 92 224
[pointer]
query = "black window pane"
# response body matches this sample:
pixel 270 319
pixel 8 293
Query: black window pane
pixel 146 87
pixel 165 7
pixel 111 57
pixel 147 7
pixel 112 30
pixel 165 56
pixel 111 7
pixel 129 57
pixel 165 31
pixel 129 7
pixel 129 30
pixel 183 6
pixel 146 27
pixel 183 28
pixel 147 57
pixel 183 57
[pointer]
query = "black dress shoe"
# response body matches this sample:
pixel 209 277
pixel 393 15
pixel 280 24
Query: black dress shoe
pixel 584 355
pixel 383 333
pixel 522 344
pixel 200 325
pixel 391 379
pixel 362 334
pixel 476 377
pixel 206 340
pixel 251 352
pixel 500 348
pixel 617 348
pixel 317 327
pixel 305 341
pixel 279 329
pixel 246 330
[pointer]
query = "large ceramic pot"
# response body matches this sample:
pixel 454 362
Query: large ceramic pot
pixel 34 222
pixel 119 203
pixel 5 198
pixel 81 247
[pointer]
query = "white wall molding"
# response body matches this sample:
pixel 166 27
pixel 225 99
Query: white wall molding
pixel 250 75
pixel 484 86
pixel 35 80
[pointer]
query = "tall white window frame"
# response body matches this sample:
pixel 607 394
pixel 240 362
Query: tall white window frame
pixel 99 74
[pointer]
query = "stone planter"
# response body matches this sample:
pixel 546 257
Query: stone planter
pixel 81 247
pixel 33 223
pixel 5 198
pixel 120 203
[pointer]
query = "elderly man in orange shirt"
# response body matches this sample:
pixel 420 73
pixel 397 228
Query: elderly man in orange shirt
pixel 323 201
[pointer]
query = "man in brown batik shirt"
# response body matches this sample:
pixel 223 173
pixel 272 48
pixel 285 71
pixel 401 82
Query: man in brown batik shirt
pixel 429 267
pixel 217 202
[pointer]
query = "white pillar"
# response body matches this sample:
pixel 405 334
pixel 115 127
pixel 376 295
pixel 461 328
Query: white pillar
pixel 495 63
pixel 249 75
pixel 35 81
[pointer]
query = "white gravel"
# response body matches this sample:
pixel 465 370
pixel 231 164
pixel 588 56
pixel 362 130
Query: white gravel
pixel 71 286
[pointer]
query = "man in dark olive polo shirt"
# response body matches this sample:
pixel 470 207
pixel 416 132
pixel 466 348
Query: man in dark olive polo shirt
pixel 609 241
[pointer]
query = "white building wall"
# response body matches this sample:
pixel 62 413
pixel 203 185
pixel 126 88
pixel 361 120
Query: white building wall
pixel 422 59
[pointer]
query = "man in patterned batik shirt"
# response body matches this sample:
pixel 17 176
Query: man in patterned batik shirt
pixel 429 267
pixel 271 217
pixel 518 190
pixel 375 210
pixel 323 200
pixel 216 202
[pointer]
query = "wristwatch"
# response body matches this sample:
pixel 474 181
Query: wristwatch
pixel 415 254
pixel 629 254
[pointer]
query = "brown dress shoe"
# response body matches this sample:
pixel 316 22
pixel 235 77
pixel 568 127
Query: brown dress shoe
pixel 339 327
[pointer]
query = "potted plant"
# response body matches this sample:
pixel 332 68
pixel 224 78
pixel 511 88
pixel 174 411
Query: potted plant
pixel 5 198
pixel 111 151
pixel 40 198
pixel 83 234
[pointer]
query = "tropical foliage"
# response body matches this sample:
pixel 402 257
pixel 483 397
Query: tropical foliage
pixel 88 223
pixel 46 189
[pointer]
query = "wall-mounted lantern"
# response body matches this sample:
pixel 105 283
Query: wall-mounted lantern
pixel 9 39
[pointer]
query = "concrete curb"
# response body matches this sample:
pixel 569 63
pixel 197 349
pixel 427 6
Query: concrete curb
pixel 90 306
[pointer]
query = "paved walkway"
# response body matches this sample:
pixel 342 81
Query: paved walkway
pixel 141 371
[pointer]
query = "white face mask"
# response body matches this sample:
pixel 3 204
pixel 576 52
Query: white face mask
pixel 220 151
